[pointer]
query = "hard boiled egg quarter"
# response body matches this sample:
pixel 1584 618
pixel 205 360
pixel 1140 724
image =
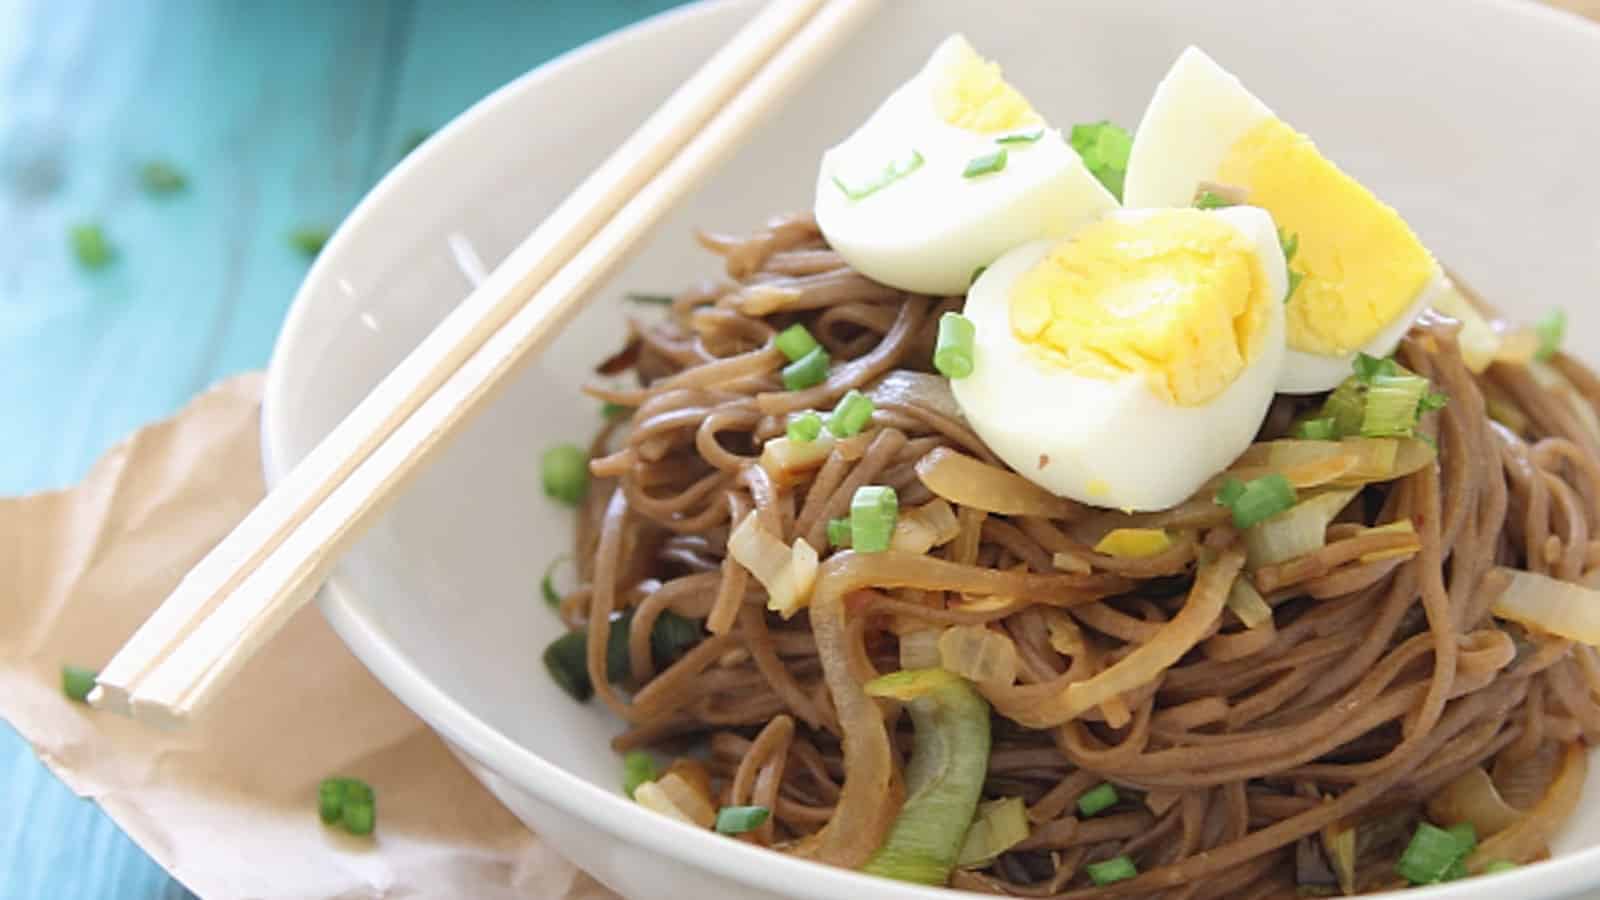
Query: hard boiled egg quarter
pixel 954 169
pixel 1363 274
pixel 1129 363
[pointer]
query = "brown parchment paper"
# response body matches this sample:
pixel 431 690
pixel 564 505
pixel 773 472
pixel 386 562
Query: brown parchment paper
pixel 229 804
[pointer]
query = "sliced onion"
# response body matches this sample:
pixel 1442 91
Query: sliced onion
pixel 785 459
pixel 1517 347
pixel 1551 379
pixel 674 796
pixel 1313 463
pixel 1071 562
pixel 1300 530
pixel 1403 526
pixel 930 525
pixel 1478 340
pixel 1473 798
pixel 1529 838
pixel 1066 637
pixel 969 482
pixel 788 573
pixel 999 826
pixel 920 649
pixel 1247 603
pixel 1555 607
pixel 904 387
pixel 979 655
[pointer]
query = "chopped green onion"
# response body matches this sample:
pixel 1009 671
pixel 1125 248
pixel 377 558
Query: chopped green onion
pixel 77 682
pixel 1368 367
pixel 1320 428
pixel 1345 406
pixel 1098 800
pixel 795 341
pixel 1211 200
pixel 1496 866
pixel 566 659
pixel 1466 836
pixel 1119 868
pixel 360 808
pixel 804 428
pixel 839 532
pixel 330 800
pixel 648 299
pixel 1257 500
pixel 895 170
pixel 160 177
pixel 739 819
pixel 310 239
pixel 1392 405
pixel 1430 855
pixel 615 410
pixel 873 511
pixel 952 352
pixel 851 415
pixel 672 636
pixel 565 470
pixel 1431 401
pixel 1294 281
pixel 414 140
pixel 976 274
pixel 637 768
pixel 90 246
pixel 985 164
pixel 1550 329
pixel 1104 148
pixel 1025 137
pixel 1290 244
pixel 807 371
pixel 547 584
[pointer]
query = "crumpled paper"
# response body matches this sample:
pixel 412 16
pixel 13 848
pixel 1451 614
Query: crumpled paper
pixel 228 805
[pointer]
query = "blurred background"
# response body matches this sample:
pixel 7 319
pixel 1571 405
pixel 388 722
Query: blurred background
pixel 167 169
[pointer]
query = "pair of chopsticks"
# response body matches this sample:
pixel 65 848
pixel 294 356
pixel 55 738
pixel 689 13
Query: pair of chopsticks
pixel 231 603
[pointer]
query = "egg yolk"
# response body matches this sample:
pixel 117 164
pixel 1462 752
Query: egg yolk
pixel 1361 265
pixel 970 93
pixel 1177 296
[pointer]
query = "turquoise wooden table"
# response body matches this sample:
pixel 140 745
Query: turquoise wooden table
pixel 280 115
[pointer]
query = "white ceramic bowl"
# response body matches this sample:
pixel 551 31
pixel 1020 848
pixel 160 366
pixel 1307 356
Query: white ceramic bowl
pixel 1480 120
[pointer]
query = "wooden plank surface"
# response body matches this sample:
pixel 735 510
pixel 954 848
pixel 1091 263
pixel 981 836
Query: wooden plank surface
pixel 282 114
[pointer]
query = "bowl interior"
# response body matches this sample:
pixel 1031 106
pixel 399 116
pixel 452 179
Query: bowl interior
pixel 1463 115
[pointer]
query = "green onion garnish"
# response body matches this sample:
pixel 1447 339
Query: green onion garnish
pixel 160 177
pixel 90 246
pixel 1290 244
pixel 952 352
pixel 1116 869
pixel 1393 402
pixel 565 469
pixel 1368 367
pixel 851 415
pixel 566 659
pixel 873 511
pixel 1430 856
pixel 310 239
pixel 77 682
pixel 976 274
pixel 672 637
pixel 1550 329
pixel 1104 148
pixel 1496 866
pixel 1256 500
pixel 637 768
pixel 839 532
pixel 547 584
pixel 1102 798
pixel 1320 428
pixel 807 371
pixel 1294 281
pixel 804 428
pixel 795 341
pixel 1466 836
pixel 985 164
pixel 648 299
pixel 1025 137
pixel 615 410
pixel 1211 200
pixel 739 819
pixel 347 801
pixel 895 170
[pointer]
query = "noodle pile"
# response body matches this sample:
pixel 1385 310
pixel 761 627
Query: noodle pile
pixel 1254 763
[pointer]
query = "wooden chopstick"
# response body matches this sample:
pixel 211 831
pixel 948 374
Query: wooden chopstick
pixel 221 621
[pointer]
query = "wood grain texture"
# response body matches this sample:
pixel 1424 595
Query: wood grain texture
pixel 281 114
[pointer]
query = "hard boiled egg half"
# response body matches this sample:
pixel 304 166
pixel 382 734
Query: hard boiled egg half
pixel 1362 275
pixel 1127 364
pixel 954 169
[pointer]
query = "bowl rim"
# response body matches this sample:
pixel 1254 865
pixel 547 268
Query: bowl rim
pixel 606 810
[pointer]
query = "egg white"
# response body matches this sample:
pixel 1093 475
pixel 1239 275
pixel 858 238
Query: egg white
pixel 1111 443
pixel 1313 373
pixel 930 230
